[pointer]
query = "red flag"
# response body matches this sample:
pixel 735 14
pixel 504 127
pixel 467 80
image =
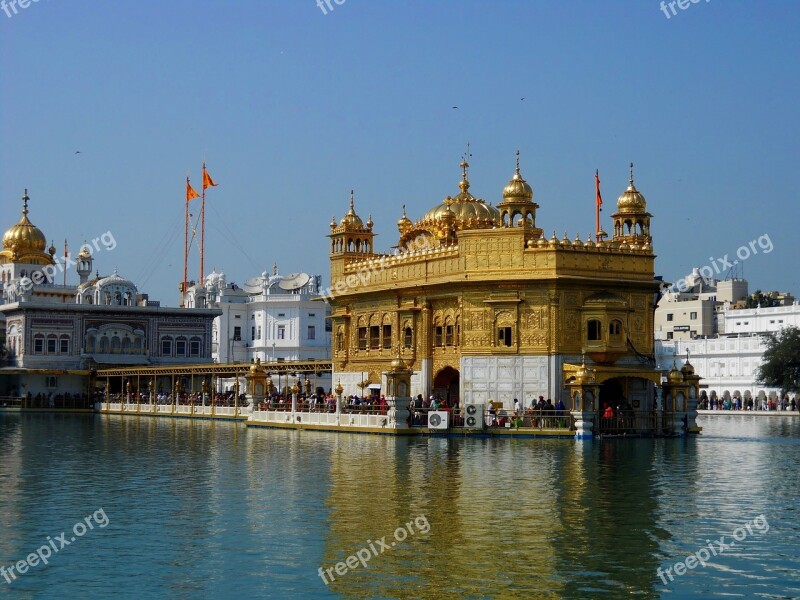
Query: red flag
pixel 599 199
pixel 190 192
pixel 207 181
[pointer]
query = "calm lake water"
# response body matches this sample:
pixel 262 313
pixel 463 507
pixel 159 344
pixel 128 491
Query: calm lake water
pixel 215 510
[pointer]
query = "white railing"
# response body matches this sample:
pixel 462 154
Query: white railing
pixel 180 409
pixel 354 420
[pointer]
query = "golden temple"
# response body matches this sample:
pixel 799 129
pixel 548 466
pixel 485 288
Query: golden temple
pixel 483 307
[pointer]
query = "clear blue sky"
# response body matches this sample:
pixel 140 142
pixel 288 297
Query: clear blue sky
pixel 292 108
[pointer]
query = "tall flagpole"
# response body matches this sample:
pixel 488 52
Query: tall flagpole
pixel 185 248
pixel 203 228
pixel 66 256
pixel 597 206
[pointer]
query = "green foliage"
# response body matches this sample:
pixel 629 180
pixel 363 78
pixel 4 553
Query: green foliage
pixel 758 298
pixel 781 361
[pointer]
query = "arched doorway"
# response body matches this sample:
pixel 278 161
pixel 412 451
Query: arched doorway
pixel 611 393
pixel 446 384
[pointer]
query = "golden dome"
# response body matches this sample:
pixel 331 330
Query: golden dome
pixel 674 375
pixel 518 190
pixel 24 242
pixel 84 253
pixel 688 368
pixel 25 234
pixel 256 368
pixel 351 219
pixel 404 222
pixel 631 200
pixel 470 212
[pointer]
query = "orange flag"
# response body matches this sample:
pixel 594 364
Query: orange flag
pixel 597 188
pixel 207 181
pixel 191 194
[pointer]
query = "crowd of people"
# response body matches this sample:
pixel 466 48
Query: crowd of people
pixel 755 404
pixel 167 399
pixel 327 403
pixel 51 400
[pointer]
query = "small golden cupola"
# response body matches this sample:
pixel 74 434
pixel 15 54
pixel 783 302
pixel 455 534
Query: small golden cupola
pixel 351 220
pixel 351 236
pixel 632 221
pixel 518 202
pixel 404 223
pixel 24 243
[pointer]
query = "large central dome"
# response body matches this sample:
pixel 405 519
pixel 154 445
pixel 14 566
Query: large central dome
pixel 466 211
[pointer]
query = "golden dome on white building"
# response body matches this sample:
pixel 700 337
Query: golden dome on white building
pixel 24 242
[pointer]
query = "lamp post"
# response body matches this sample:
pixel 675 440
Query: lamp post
pixel 295 389
pixel 339 389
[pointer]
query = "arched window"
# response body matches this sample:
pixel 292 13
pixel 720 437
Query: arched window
pixel 408 337
pixel 594 330
pixel 448 332
pixel 104 346
pixel 615 328
pixel 340 341
pixel 438 333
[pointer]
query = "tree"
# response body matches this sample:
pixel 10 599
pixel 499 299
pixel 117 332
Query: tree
pixel 758 298
pixel 780 365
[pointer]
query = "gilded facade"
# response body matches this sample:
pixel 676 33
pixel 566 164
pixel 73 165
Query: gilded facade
pixel 482 304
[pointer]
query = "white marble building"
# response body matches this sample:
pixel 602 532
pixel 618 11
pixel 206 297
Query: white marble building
pixel 274 318
pixel 728 362
pixel 56 335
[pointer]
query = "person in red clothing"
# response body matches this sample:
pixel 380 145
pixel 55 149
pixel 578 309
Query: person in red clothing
pixel 608 413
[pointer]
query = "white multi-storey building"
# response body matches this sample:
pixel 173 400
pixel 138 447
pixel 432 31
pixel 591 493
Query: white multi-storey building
pixel 693 308
pixel 274 318
pixel 728 362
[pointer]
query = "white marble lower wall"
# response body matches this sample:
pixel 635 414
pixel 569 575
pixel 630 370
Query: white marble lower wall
pixel 420 381
pixel 503 378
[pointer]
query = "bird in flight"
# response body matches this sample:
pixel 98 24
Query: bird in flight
pixel 77 151
pixel 523 98
pixel 455 107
